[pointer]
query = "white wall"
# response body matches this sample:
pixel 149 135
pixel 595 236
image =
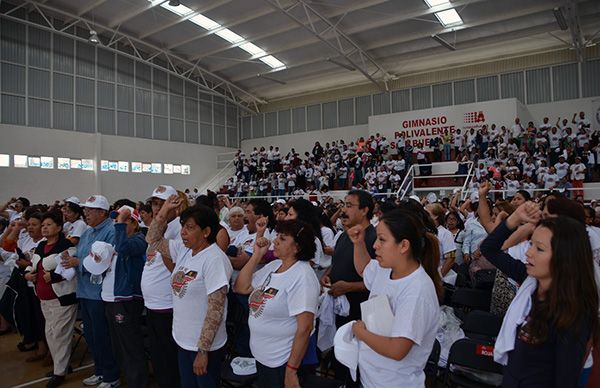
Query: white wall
pixel 48 185
pixel 565 109
pixel 305 141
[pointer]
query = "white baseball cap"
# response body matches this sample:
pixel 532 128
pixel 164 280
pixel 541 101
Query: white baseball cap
pixel 97 202
pixel 163 192
pixel 345 347
pixel 100 257
pixel 74 200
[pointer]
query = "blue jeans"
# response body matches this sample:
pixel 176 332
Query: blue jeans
pixel 212 379
pixel 95 330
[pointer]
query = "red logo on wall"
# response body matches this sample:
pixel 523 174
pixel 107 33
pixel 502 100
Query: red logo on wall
pixel 474 117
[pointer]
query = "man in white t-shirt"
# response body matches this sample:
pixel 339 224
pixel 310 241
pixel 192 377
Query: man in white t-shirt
pixel 158 299
pixel 577 176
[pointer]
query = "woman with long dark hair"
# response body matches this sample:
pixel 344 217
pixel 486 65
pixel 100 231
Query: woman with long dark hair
pixel 406 272
pixel 553 320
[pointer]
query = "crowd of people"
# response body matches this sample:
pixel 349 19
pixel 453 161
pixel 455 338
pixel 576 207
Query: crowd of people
pixel 550 156
pixel 222 278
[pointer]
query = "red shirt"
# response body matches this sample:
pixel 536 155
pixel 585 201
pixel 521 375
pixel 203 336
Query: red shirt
pixel 44 290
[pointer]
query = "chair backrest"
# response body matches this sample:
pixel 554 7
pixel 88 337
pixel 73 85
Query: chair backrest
pixel 484 279
pixel 434 357
pixel 472 298
pixel 482 323
pixel 473 354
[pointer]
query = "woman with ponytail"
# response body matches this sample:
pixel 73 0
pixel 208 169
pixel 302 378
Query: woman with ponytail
pixel 406 271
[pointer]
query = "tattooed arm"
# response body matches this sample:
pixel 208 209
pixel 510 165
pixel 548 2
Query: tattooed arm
pixel 155 236
pixel 212 321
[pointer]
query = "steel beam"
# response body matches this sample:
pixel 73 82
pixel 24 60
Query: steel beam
pixel 577 39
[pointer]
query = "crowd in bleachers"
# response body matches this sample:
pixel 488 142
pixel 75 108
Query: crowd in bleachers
pixel 229 290
pixel 550 156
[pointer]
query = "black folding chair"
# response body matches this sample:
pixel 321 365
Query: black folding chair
pixel 431 368
pixel 482 326
pixel 484 279
pixel 471 365
pixel 471 299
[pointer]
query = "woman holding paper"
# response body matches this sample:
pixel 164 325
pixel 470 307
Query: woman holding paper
pixel 552 322
pixel 406 273
pixel 56 294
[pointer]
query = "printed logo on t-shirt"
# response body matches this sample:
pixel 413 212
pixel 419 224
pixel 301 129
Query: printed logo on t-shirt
pixel 258 298
pixel 150 256
pixel 180 281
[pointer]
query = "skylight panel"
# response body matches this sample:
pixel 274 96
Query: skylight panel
pixel 449 17
pixel 180 10
pixel 252 49
pixel 229 35
pixel 273 62
pixel 435 3
pixel 205 22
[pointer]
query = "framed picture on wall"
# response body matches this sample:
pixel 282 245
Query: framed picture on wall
pixel 63 163
pixel 147 167
pixel 136 167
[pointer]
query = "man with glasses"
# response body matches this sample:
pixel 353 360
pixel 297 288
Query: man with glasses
pixel 341 277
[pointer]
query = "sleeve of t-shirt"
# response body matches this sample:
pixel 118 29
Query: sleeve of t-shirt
pixel 419 311
pixel 303 294
pixel 328 240
pixel 216 274
pixel 369 273
pixel 78 229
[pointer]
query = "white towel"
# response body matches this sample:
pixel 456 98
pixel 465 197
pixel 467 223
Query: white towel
pixel 329 308
pixel 517 314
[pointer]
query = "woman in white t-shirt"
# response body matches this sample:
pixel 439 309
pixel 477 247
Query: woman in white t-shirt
pixel 445 238
pixel 199 283
pixel 283 303
pixel 405 271
pixel 73 225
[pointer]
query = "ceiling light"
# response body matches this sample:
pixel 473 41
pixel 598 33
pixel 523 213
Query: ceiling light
pixel 205 22
pixel 449 17
pixel 560 19
pixel 443 42
pixel 271 79
pixel 273 62
pixel 178 9
pixel 252 49
pixel 341 64
pixel 229 35
pixel 94 37
pixel 435 3
pixel 174 3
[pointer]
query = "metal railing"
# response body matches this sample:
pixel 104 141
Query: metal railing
pixel 407 186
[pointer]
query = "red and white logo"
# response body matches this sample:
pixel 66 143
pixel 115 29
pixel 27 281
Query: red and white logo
pixel 474 117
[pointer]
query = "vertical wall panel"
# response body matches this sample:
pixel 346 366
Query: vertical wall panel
pixel 106 121
pixel 220 135
pixel 487 88
pixel 538 86
pixel 513 85
pixel 159 80
pixel 464 92
pixel 401 100
pixel 13 110
pixel 565 82
pixel 86 60
pixel 191 109
pixel 176 106
pixel 231 115
pixel 106 65
pixel 206 136
pixel 124 98
pixel 124 70
pixel 363 109
pixel 175 85
pixel 105 95
pixel 313 117
pixel 161 104
pixel 299 119
pixel 285 121
pixel 62 116
pixel 85 119
pixel 346 112
pixel 219 114
pixel 39 83
pixel 421 97
pixel 381 103
pixel 442 94
pixel 590 78
pixel 143 75
pixel 39 113
pixel 191 90
pixel 232 137
pixel 62 87
pixel 191 132
pixel 13 45
pixel 13 78
pixel 84 91
pixel 125 125
pixel 39 48
pixel 143 101
pixel 63 54
pixel 258 126
pixel 246 127
pixel 177 131
pixel 330 115
pixel 143 126
pixel 161 128
pixel 206 112
pixel 271 124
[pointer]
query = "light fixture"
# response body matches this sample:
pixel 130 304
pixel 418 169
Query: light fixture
pixel 94 37
pixel 271 79
pixel 174 3
pixel 449 17
pixel 560 19
pixel 341 64
pixel 443 42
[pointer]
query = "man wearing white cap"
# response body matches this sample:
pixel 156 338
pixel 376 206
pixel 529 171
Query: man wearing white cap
pixel 101 228
pixel 158 299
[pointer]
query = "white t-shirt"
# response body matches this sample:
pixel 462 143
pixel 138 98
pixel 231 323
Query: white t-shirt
pixel 415 307
pixel 156 278
pixel 236 236
pixel 74 229
pixel 447 243
pixel 194 278
pixel 276 300
pixel 108 284
pixel 328 241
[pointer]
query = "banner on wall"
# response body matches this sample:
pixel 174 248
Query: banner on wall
pixel 423 125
